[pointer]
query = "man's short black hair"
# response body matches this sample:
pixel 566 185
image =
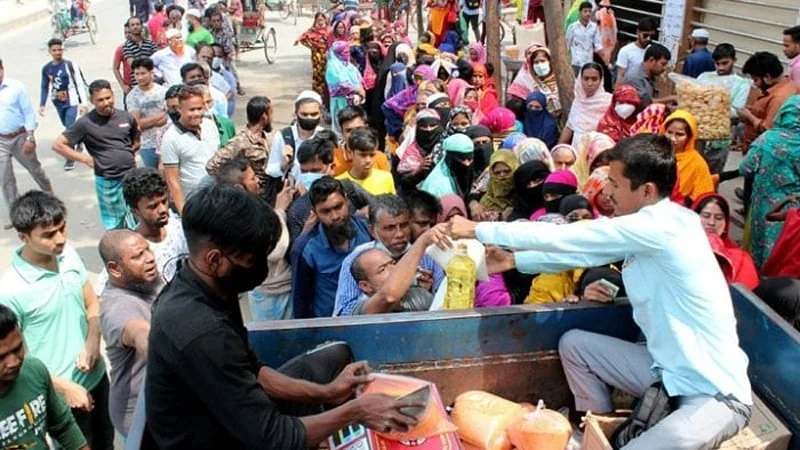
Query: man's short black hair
pixel 230 172
pixel 128 22
pixel 218 45
pixel 423 202
pixel 351 113
pixel 648 158
pixel 324 188
pixel 256 108
pixel 585 5
pixel 54 41
pixel 37 209
pixel 315 148
pixel 142 61
pixel 173 91
pixel 8 321
pixel 189 67
pixel 723 51
pixel 97 86
pixel 140 183
pixel 326 134
pixel 386 203
pixel 362 140
pixel 762 64
pixel 236 222
pixel 647 25
pixel 657 52
pixel 158 6
pixel 794 33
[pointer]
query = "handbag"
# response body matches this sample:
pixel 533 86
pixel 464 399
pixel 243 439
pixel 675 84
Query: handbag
pixel 654 406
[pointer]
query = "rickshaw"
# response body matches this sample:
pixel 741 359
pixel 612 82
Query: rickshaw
pixel 254 31
pixel 72 17
pixel 286 8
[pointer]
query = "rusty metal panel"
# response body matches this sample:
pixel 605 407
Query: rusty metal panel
pixel 773 347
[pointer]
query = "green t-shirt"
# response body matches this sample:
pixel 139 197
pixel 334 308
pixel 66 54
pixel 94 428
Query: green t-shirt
pixel 52 313
pixel 226 130
pixel 31 408
pixel 199 36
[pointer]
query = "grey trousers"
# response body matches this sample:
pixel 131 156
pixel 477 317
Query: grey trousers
pixel 593 362
pixel 12 148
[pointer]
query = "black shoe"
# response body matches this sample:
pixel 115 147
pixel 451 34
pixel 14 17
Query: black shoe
pixel 69 165
pixel 739 193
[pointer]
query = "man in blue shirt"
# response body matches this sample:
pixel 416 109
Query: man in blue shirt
pixel 678 293
pixel 317 255
pixel 389 223
pixel 699 60
pixel 17 125
pixel 64 82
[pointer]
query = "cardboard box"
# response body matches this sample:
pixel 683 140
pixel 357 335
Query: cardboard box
pixel 764 432
pixel 356 437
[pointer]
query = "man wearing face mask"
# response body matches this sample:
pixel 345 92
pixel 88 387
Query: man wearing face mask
pixel 389 224
pixel 169 60
pixel 316 161
pixel 204 386
pixel 251 142
pixel 308 115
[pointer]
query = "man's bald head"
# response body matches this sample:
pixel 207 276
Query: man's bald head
pixel 112 243
pixel 129 261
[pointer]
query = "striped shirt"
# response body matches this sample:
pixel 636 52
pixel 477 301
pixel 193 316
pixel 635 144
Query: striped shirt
pixel 133 50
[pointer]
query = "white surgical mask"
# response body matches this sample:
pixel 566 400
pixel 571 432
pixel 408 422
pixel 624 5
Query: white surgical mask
pixel 542 69
pixel 624 110
pixel 216 63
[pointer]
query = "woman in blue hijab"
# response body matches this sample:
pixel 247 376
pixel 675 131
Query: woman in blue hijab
pixel 539 123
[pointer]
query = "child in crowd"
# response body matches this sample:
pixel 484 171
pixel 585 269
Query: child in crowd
pixel 362 147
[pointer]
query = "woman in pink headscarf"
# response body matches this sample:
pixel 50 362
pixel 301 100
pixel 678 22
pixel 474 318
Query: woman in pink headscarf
pixel 501 122
pixel 590 105
pixel 591 151
pixel 557 185
pixel 477 53
pixel 537 75
pixel 452 205
pixel 400 32
pixel 487 92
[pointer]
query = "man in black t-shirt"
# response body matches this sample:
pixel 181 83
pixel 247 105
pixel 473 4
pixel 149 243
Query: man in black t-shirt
pixel 111 138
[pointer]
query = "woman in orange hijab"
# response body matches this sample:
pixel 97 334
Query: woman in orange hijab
pixel 487 92
pixel 694 177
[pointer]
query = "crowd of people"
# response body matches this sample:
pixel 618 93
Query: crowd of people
pixel 397 147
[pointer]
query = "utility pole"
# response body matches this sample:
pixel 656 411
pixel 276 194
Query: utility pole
pixel 561 65
pixel 420 23
pixel 493 41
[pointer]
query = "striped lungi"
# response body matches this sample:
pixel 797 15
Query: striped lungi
pixel 113 210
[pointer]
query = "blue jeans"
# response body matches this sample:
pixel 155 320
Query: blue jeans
pixel 67 114
pixel 149 157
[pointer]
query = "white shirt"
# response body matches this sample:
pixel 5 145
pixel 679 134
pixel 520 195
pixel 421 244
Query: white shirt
pixel 679 296
pixel 630 56
pixel 168 64
pixel 582 42
pixel 276 154
pixel 190 152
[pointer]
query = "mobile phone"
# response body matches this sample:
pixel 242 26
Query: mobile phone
pixel 612 288
pixel 423 395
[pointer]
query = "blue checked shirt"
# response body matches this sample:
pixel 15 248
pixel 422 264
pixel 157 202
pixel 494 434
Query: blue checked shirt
pixel 348 293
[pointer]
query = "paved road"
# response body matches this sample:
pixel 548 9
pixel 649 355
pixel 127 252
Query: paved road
pixel 24 52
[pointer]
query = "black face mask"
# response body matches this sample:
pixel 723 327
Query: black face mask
pixel 307 124
pixel 483 152
pixel 174 115
pixel 444 114
pixel 243 279
pixel 462 174
pixel 427 139
pixel 533 196
pixel 552 206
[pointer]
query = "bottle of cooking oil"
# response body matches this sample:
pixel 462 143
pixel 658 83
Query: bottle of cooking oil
pixel 460 280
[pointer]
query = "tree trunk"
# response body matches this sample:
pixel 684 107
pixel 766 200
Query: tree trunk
pixel 420 24
pixel 561 65
pixel 493 42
